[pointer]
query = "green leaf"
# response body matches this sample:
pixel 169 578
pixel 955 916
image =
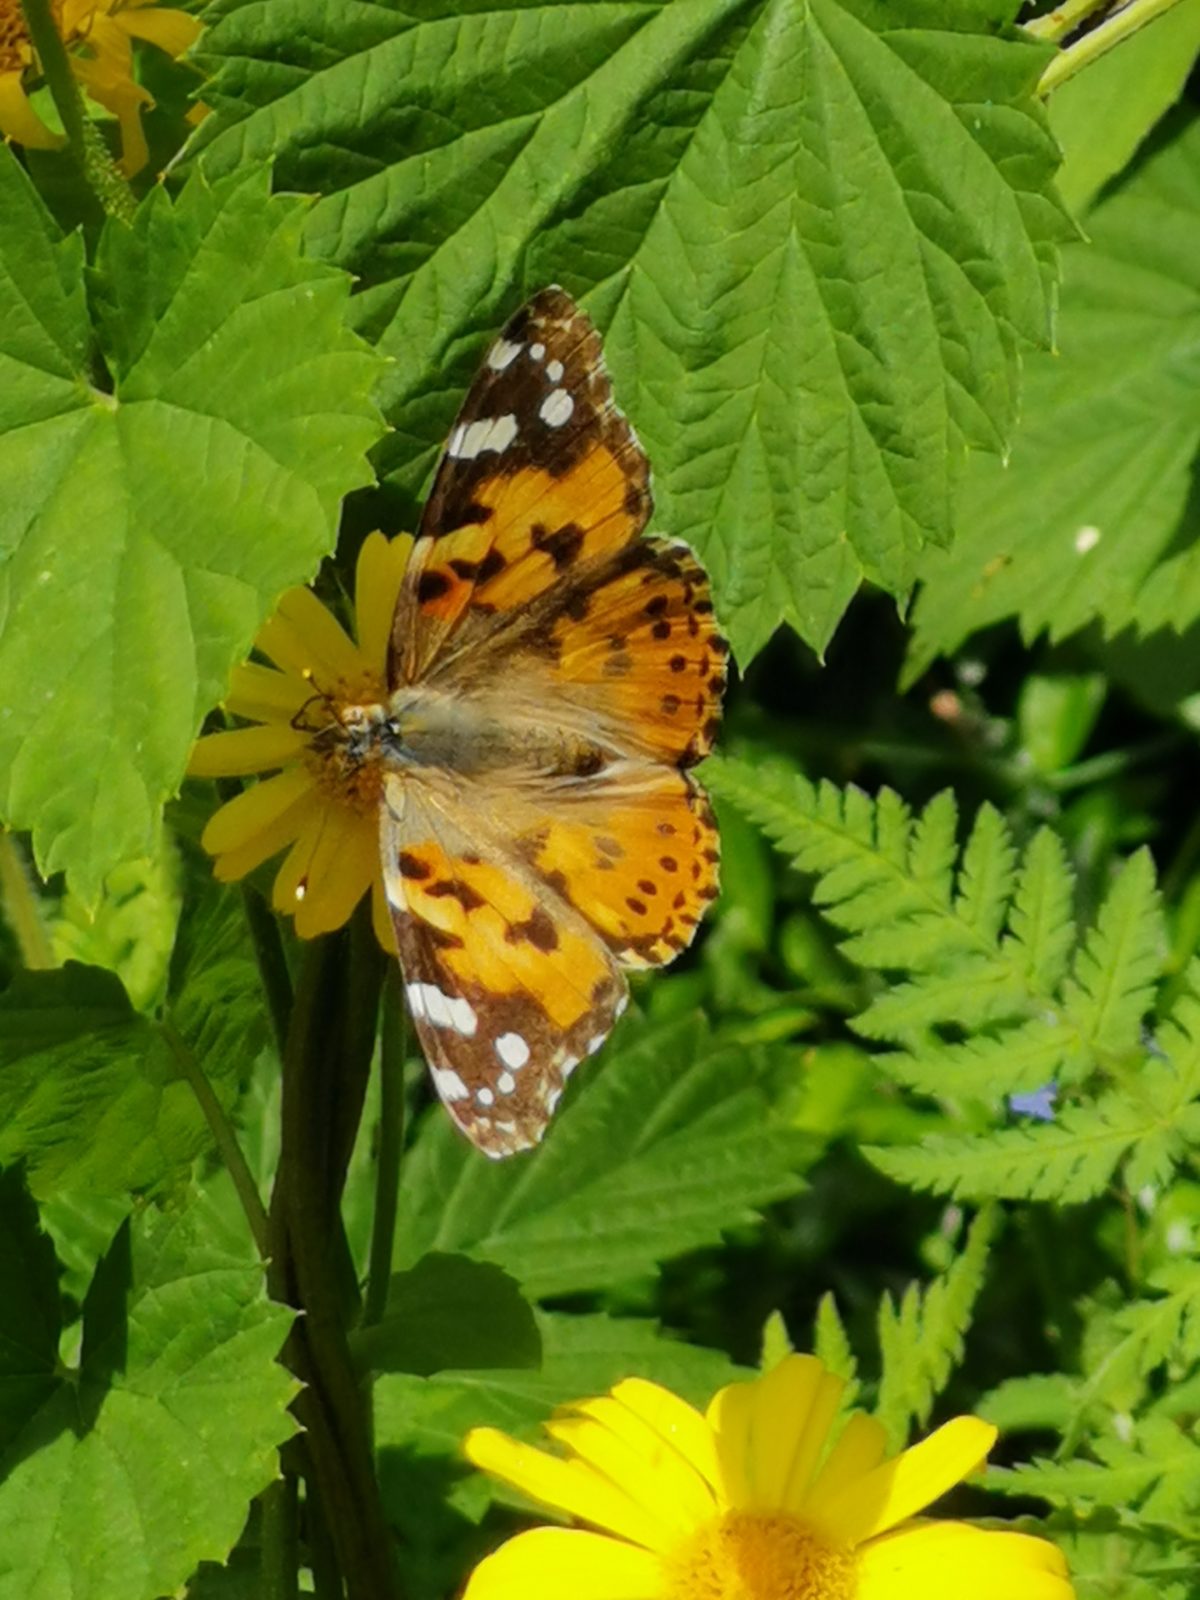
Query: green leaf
pixel 817 236
pixel 147 1457
pixel 450 1312
pixel 1119 963
pixel 30 1311
pixel 1079 525
pixel 832 1344
pixel 167 475
pixel 666 1148
pixel 921 1339
pixel 581 1356
pixel 1101 115
pixel 90 1093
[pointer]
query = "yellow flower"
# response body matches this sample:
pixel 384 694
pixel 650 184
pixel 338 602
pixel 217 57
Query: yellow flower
pixel 99 37
pixel 746 1503
pixel 324 807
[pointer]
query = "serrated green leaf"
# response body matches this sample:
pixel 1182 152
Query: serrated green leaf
pixel 832 1344
pixel 816 235
pixel 1116 969
pixel 451 1312
pixel 581 1356
pixel 30 1311
pixel 90 1093
pixel 666 1148
pixel 1103 113
pixel 149 528
pixel 1078 526
pixel 150 1454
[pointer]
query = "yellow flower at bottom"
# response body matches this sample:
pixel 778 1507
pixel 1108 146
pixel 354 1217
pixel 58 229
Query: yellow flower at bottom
pixel 325 808
pixel 749 1502
pixel 99 38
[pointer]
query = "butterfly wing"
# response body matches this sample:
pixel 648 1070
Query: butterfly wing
pixel 506 983
pixel 515 910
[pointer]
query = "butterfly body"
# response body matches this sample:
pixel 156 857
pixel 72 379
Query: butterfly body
pixel 553 676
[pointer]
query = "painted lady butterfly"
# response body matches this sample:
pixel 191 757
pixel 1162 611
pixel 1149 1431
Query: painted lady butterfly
pixel 553 676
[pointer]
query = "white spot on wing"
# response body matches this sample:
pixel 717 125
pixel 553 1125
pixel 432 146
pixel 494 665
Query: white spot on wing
pixel 506 1083
pixel 471 439
pixel 512 1050
pixel 554 370
pixel 537 351
pixel 621 1005
pixel 569 1065
pixel 448 1084
pixel 485 1096
pixel 556 408
pixel 595 1043
pixel 444 1010
pixel 502 354
pixel 553 1096
pixel 1087 539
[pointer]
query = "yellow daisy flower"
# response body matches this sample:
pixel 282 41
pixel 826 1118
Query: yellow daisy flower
pixel 747 1503
pixel 324 809
pixel 99 36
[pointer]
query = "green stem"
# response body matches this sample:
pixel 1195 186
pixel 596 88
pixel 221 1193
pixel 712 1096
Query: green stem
pixel 1064 19
pixel 393 1048
pixel 88 148
pixel 22 908
pixel 1121 25
pixel 279 1567
pixel 325 1070
pixel 223 1135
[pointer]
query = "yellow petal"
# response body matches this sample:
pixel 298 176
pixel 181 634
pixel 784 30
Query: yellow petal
pixel 557 1563
pixel 19 121
pixel 380 568
pixel 172 31
pixel 238 751
pixel 304 637
pixel 620 1445
pixel 256 812
pixel 263 695
pixel 793 1407
pixel 568 1486
pixel 728 1416
pixel 677 1421
pixel 344 861
pixel 947 1560
pixel 860 1447
pixel 898 1489
pixel 381 916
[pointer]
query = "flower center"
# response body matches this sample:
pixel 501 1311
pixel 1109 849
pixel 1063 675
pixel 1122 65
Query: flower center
pixel 759 1555
pixel 346 753
pixel 16 52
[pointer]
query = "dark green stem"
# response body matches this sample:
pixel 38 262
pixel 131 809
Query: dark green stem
pixel 279 1567
pixel 325 1070
pixel 393 1048
pixel 88 148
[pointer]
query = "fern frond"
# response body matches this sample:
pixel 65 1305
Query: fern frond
pixel 990 990
pixel 1121 959
pixel 832 1344
pixel 921 1339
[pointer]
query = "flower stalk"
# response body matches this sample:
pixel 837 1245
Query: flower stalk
pixel 83 139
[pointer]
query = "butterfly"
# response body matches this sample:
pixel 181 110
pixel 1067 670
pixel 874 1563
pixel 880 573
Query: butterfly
pixel 552 677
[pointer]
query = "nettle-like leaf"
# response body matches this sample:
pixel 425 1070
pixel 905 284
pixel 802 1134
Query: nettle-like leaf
pixel 1081 524
pixel 143 1462
pixel 990 990
pixel 177 432
pixel 816 235
pixel 92 1095
pixel 659 1154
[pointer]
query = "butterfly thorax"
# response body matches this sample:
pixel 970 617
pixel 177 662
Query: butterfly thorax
pixel 421 727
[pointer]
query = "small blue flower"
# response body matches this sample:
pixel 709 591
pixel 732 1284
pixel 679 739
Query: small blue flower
pixel 1038 1103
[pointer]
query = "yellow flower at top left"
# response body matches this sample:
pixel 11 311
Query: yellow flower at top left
pixel 316 804
pixel 99 37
